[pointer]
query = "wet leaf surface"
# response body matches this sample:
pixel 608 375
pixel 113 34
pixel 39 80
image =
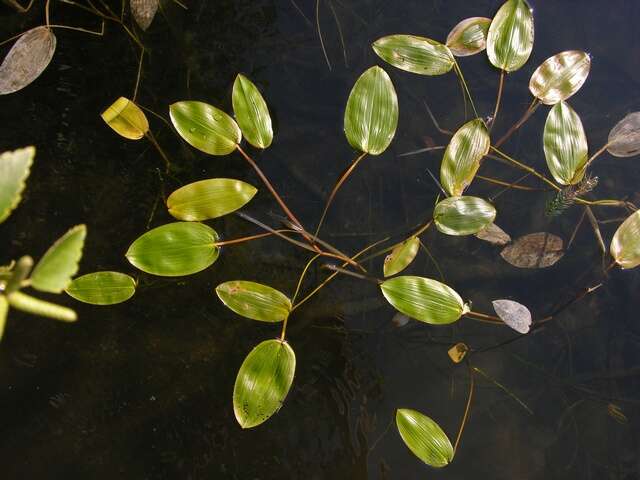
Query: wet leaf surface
pixel 252 113
pixel 463 215
pixel 469 36
pixel 510 37
pixel 424 437
pixel 561 76
pixel 401 257
pixel 536 250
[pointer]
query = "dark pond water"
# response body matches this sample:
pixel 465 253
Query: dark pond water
pixel 143 390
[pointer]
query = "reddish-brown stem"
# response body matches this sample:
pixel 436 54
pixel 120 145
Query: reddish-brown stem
pixel 498 99
pixel 532 108
pixel 466 410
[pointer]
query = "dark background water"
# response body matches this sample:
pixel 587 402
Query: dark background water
pixel 143 389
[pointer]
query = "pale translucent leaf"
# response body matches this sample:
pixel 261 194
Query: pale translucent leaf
pixel 560 76
pixel 493 234
pixel 126 119
pixel 514 314
pixel 469 36
pixel 144 11
pixel 624 138
pixel 625 246
pixel 511 34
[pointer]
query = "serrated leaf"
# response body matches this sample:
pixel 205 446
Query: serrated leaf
pixel 565 145
pixel 536 250
pixel 625 245
pixel 254 300
pixel 144 11
pixel 102 288
pixel 510 37
pixel 35 306
pixel 424 437
pixel 27 59
pixel 401 256
pixel 424 299
pixel 469 36
pixel 126 119
pixel 624 138
pixel 15 167
pixel 462 157
pixel 514 314
pixel 175 249
pixel 371 115
pixel 252 113
pixel 4 310
pixel 463 215
pixel 263 382
pixel 415 54
pixel 205 127
pixel 207 199
pixel 493 234
pixel 54 270
pixel 560 76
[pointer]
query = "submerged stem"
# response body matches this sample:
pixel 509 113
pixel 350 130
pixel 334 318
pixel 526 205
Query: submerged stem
pixel 498 99
pixel 458 71
pixel 527 114
pixel 466 410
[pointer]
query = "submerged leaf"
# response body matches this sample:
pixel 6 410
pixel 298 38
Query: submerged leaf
pixel 263 382
pixel 514 314
pixel 14 170
pixel 625 246
pixel 536 250
pixel 401 256
pixel 510 37
pixel 126 119
pixel 102 288
pixel 560 76
pixel 458 352
pixel 424 437
pixel 254 300
pixel 54 270
pixel 424 299
pixel 371 115
pixel 175 249
pixel 469 36
pixel 415 54
pixel 494 235
pixel 399 320
pixel 28 304
pixel 144 11
pixel 210 198
pixel 624 138
pixel 463 215
pixel 252 113
pixel 27 59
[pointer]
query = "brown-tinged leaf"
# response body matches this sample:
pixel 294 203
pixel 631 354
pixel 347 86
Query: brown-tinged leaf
pixel 514 314
pixel 536 250
pixel 624 138
pixel 458 352
pixel 494 235
pixel 143 12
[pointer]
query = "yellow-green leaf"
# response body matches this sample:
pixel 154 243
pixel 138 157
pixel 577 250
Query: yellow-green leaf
pixel 205 127
pixel 14 170
pixel 560 76
pixel 175 249
pixel 102 288
pixel 126 119
pixel 415 54
pixel 424 299
pixel 254 300
pixel 624 138
pixel 625 246
pixel 463 215
pixel 54 270
pixel 462 157
pixel 252 113
pixel 263 382
pixel 469 36
pixel 210 198
pixel 510 38
pixel 565 145
pixel 424 437
pixel 4 310
pixel 401 256
pixel 371 115
pixel 28 304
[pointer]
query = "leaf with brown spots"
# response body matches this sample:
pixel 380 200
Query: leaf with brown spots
pixel 536 250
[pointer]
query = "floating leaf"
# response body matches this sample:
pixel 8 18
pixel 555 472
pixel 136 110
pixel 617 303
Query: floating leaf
pixel 415 54
pixel 625 246
pixel 27 59
pixel 4 310
pixel 514 314
pixel 208 199
pixel 463 215
pixel 27 303
pixel 462 157
pixel 102 288
pixel 371 115
pixel 263 382
pixel 254 300
pixel 424 437
pixel 205 127
pixel 494 235
pixel 624 138
pixel 126 119
pixel 14 170
pixel 54 270
pixel 424 299
pixel 565 145
pixel 469 36
pixel 144 11
pixel 401 256
pixel 252 113
pixel 175 249
pixel 560 76
pixel 510 37
pixel 536 250
pixel 458 352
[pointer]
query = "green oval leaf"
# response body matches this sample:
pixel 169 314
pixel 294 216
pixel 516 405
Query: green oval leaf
pixel 35 306
pixel 263 382
pixel 469 36
pixel 55 269
pixel 4 310
pixel 560 76
pixel 510 38
pixel 126 119
pixel 424 437
pixel 624 138
pixel 252 113
pixel 463 215
pixel 175 249
pixel 625 246
pixel 102 288
pixel 401 256
pixel 15 167
pixel 210 198
pixel 205 127
pixel 462 157
pixel 415 54
pixel 254 300
pixel 371 115
pixel 565 145
pixel 424 299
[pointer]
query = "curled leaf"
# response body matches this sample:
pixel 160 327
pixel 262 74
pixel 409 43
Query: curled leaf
pixel 54 270
pixel 415 54
pixel 463 215
pixel 252 113
pixel 625 245
pixel 144 11
pixel 254 300
pixel 560 76
pixel 493 234
pixel 624 138
pixel 102 288
pixel 469 36
pixel 514 314
pixel 401 256
pixel 424 437
pixel 126 119
pixel 536 250
pixel 510 37
pixel 14 170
